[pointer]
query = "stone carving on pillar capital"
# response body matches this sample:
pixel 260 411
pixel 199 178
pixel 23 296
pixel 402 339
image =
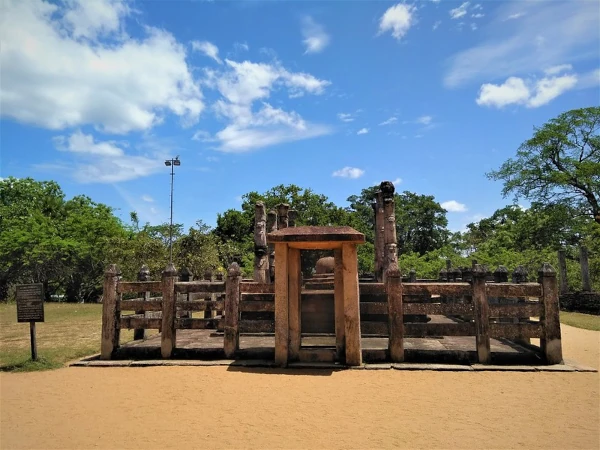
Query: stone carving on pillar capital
pixel 391 255
pixel 387 189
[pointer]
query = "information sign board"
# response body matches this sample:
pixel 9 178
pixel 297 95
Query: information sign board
pixel 30 302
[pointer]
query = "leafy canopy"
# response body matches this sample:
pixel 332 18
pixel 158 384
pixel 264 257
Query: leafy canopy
pixel 559 164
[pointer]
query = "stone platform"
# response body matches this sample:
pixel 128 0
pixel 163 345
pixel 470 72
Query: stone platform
pixel 208 345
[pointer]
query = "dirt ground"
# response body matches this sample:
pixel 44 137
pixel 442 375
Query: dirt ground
pixel 219 407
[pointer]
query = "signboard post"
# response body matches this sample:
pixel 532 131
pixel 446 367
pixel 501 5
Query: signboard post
pixel 30 308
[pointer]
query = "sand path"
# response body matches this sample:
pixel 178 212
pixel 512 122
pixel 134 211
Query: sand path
pixel 217 407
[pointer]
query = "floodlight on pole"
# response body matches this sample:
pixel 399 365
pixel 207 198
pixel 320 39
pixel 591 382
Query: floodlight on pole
pixel 171 163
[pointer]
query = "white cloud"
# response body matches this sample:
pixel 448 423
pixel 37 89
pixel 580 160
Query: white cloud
pixel 437 24
pixel 531 93
pixel 147 198
pixel 362 131
pixel 555 70
pixel 208 48
pixel 202 136
pixel 589 79
pixel 56 74
pixel 241 46
pixel 453 206
pixel 398 19
pixel 345 117
pixel 241 85
pixel 549 33
pixel 397 181
pixel 315 37
pixel 266 127
pixel 477 15
pixel 88 19
pixel 547 89
pixel 212 159
pixel 389 121
pixel 515 16
pixel 349 172
pixel 84 143
pixel 460 11
pixel 102 162
pixel 424 120
pixel 513 90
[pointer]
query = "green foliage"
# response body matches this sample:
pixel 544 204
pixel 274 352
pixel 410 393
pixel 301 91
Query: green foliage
pixel 198 250
pixel 235 228
pixel 48 240
pixel 515 236
pixel 559 164
pixel 428 265
pixel 421 224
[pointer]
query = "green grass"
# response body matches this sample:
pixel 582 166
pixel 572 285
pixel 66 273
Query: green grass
pixel 70 331
pixel 585 321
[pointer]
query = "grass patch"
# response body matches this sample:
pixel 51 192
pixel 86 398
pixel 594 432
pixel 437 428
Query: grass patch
pixel 579 320
pixel 31 366
pixel 71 331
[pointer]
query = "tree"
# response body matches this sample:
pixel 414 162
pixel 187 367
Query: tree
pixel 198 250
pixel 88 229
pixel 45 239
pixel 559 164
pixel 30 243
pixel 235 228
pixel 421 224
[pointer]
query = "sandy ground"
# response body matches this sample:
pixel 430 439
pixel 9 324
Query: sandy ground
pixel 217 407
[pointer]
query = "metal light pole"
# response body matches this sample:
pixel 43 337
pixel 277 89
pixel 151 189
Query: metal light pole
pixel 172 163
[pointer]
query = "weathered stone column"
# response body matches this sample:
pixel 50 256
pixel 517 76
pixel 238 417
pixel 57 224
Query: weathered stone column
pixel 294 304
pixel 261 257
pixel 338 297
pixel 379 223
pixel 443 275
pixel 110 327
pixel 482 315
pixel 375 240
pixel 208 312
pixel 168 335
pixel 143 275
pixel 393 287
pixel 184 275
pixel 351 304
pixel 412 276
pixel 550 343
pixel 389 235
pixel 520 275
pixel 585 270
pixel 501 274
pixel 271 226
pixel 232 300
pixel 562 272
pixel 391 257
pixel 281 305
pixel 292 216
pixel 282 216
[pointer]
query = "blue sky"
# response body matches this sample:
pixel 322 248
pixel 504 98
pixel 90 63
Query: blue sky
pixel 334 96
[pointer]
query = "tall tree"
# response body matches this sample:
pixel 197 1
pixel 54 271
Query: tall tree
pixel 421 224
pixel 234 227
pixel 559 164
